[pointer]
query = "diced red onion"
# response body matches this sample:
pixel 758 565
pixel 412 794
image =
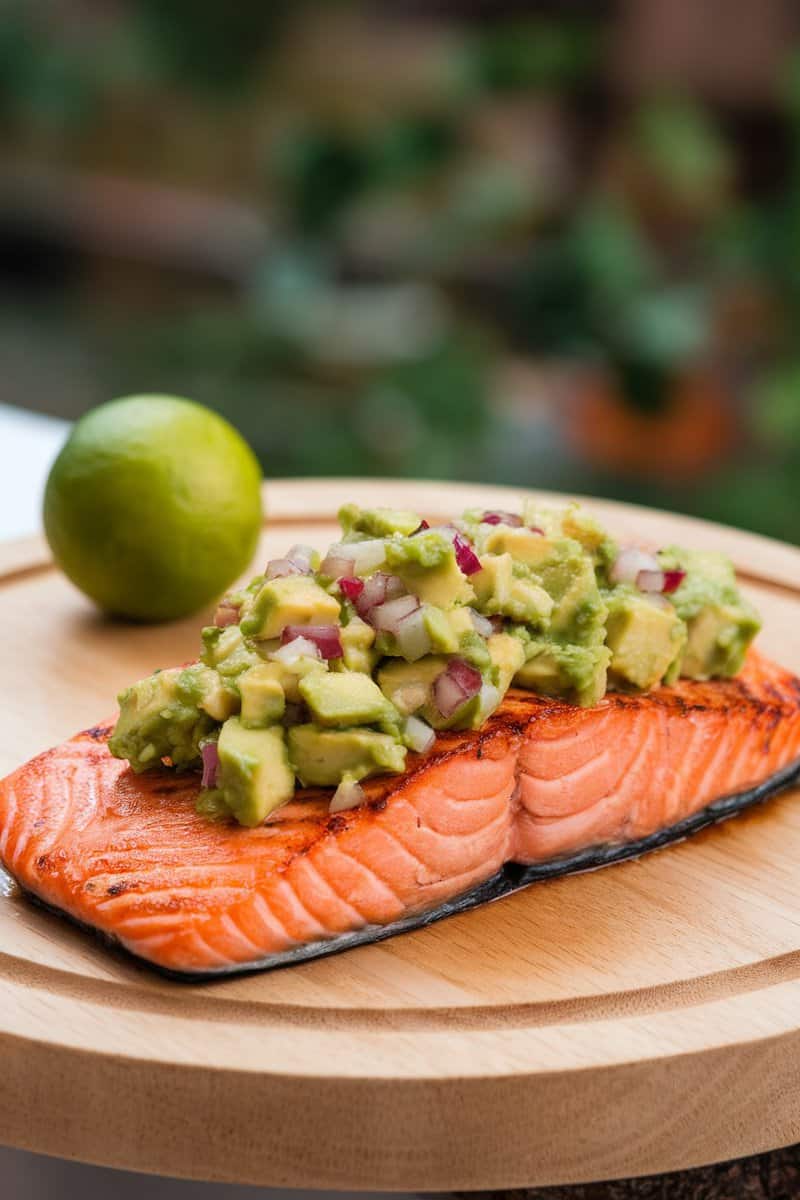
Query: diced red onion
pixel 210 753
pixel 650 581
pixel 348 794
pixel 630 562
pixel 481 624
pixel 467 559
pixel 227 614
pixel 535 529
pixel 327 638
pixel 673 580
pixel 418 735
pixel 299 647
pixel 457 684
pixel 413 639
pixel 378 588
pixel 338 561
pixel 389 616
pixel 423 525
pixel 499 517
pixel 351 587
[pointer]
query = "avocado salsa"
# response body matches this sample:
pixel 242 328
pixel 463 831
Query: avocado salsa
pixel 325 671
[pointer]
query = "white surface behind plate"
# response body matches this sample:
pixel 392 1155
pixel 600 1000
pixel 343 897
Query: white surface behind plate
pixel 28 444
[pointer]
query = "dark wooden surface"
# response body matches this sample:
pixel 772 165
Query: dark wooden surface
pixel 773 1176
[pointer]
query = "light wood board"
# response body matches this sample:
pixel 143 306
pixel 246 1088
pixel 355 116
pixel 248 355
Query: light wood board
pixel 634 1020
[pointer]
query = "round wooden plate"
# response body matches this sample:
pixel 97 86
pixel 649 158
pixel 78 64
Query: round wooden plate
pixel 639 1019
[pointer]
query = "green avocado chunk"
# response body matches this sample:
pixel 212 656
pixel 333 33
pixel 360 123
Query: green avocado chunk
pixel 321 757
pixel 295 600
pixel 502 591
pixel 263 697
pixel 254 773
pixel 721 623
pixel 159 718
pixel 646 640
pixel 345 698
pixel 427 566
pixel 574 673
pixel 377 522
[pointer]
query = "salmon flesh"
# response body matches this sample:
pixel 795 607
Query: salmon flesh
pixel 543 789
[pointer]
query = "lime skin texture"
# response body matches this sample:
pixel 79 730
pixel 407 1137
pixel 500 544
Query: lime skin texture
pixel 153 507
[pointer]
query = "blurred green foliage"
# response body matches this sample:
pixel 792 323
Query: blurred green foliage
pixel 423 244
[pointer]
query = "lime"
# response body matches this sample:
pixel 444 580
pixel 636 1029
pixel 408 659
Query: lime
pixel 153 506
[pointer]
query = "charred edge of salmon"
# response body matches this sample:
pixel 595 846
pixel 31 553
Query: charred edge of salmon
pixel 513 877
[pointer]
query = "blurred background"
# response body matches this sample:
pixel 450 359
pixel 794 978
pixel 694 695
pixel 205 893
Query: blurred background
pixel 548 244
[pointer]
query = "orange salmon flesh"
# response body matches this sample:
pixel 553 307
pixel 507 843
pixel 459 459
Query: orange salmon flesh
pixel 128 856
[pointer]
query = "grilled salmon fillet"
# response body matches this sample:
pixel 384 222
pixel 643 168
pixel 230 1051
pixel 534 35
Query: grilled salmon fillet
pixel 542 782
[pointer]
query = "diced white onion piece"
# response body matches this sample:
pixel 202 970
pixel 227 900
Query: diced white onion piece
pixel 650 581
pixel 630 562
pixel 488 700
pixel 482 624
pixel 299 647
pixel 348 794
pixel 366 555
pixel 388 616
pixel 302 556
pixel 418 735
pixel 282 568
pixel 413 639
pixel 337 562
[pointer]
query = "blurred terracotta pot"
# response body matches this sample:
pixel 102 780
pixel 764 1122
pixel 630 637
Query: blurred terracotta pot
pixel 691 431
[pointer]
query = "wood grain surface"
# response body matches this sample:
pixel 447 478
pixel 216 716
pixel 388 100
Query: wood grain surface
pixel 636 1020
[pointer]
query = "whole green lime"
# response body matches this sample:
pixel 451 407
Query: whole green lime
pixel 153 506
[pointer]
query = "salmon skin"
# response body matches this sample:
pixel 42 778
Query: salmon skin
pixel 543 789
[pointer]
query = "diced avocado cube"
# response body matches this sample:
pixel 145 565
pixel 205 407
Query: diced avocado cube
pixel 474 648
pixel 576 673
pixel 522 544
pixel 211 692
pixel 345 698
pixel 508 655
pixel 254 772
pixel 722 624
pixel 500 590
pixel 321 757
pixel 427 565
pixel 358 642
pixel 295 600
pixel 460 619
pixel 263 698
pixel 439 630
pixel 718 640
pixel 159 718
pixel 408 685
pixel 378 522
pixel 226 651
pixel 645 639
pixel 288 675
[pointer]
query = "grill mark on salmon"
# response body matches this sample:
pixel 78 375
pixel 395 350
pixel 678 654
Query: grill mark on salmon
pixel 543 789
